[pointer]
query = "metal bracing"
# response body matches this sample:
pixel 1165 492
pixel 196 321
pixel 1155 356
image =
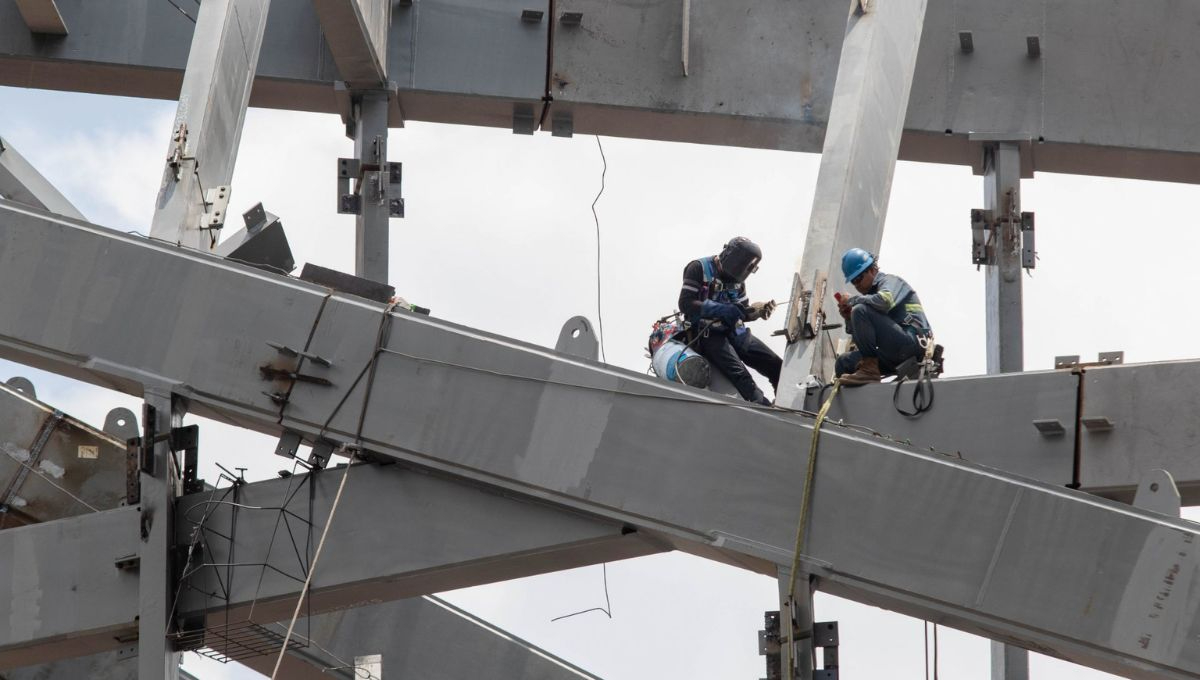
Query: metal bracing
pixel 21 182
pixel 1060 571
pixel 414 636
pixel 194 193
pixel 42 16
pixel 477 61
pixel 357 33
pixel 853 185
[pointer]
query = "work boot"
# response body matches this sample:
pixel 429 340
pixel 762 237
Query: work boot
pixel 867 372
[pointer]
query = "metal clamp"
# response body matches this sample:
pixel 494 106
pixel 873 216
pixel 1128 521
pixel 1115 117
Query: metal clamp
pixel 985 226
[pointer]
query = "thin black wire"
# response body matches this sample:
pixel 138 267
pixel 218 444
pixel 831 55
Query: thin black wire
pixel 607 608
pixel 596 219
pixel 181 11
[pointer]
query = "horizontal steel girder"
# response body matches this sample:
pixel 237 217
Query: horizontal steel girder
pixel 1135 418
pixel 357 34
pixel 61 592
pixel 761 72
pixel 415 636
pixel 928 535
pixel 397 534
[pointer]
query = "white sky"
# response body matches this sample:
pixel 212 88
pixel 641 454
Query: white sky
pixel 499 236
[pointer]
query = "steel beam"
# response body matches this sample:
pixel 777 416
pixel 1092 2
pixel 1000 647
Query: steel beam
pixel 61 592
pixel 415 636
pixel 208 123
pixel 117 665
pixel 476 61
pixel 925 534
pixel 21 182
pixel 875 74
pixel 446 537
pixel 357 33
pixel 42 16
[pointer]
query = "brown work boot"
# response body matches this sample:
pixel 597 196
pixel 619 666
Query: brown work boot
pixel 867 372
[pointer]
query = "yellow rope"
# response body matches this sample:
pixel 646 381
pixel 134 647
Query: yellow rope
pixel 802 524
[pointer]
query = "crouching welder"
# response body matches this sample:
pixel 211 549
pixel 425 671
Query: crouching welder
pixel 885 320
pixel 713 300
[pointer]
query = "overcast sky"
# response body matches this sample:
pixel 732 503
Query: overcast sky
pixel 499 236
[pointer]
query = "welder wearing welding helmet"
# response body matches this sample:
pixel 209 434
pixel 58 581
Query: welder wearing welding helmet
pixel 714 302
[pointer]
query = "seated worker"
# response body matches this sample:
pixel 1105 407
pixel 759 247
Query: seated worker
pixel 713 300
pixel 885 319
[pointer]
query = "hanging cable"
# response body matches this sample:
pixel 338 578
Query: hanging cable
pixel 596 219
pixel 607 608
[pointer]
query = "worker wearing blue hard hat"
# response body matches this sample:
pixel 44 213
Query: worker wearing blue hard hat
pixel 885 320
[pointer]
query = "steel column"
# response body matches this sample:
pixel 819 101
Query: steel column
pixel 156 658
pixel 42 16
pixel 1002 196
pixel 862 139
pixel 208 123
pixel 372 226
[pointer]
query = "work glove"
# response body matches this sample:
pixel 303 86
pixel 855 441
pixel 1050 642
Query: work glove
pixel 843 303
pixel 725 312
pixel 760 310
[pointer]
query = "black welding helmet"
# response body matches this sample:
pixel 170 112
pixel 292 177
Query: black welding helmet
pixel 739 259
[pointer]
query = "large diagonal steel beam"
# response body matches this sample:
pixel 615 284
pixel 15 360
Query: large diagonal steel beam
pixel 414 636
pixel 925 534
pixel 21 182
pixel 208 122
pixel 862 140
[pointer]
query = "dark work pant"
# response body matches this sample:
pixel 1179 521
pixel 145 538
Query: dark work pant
pixel 877 335
pixel 727 352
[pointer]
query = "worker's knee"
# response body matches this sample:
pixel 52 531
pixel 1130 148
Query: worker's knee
pixel 862 312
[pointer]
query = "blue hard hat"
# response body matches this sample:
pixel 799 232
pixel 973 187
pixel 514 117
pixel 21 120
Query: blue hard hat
pixel 856 261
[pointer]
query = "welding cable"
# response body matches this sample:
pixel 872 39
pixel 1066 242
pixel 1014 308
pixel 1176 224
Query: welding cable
pixel 802 524
pixel 596 219
pixel 312 568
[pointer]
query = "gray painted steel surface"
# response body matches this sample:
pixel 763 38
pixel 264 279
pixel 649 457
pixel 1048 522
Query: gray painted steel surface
pixel 61 594
pixel 445 536
pixel 761 73
pixel 985 419
pixel 1059 571
pixel 1151 424
pixel 419 638
pixel 372 225
pixel 208 123
pixel 855 179
pixel 1002 196
pixel 357 34
pixel 21 182
pixel 52 465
